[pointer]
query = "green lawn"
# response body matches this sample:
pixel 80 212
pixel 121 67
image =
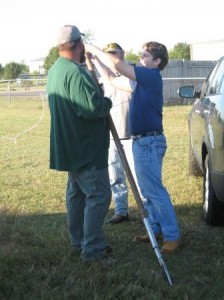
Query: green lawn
pixel 35 260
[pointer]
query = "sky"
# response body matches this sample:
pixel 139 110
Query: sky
pixel 28 28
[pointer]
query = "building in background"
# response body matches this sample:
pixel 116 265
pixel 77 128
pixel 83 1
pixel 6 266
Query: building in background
pixel 208 50
pixel 37 65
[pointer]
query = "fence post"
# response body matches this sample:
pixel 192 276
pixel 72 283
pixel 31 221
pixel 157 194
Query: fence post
pixel 9 90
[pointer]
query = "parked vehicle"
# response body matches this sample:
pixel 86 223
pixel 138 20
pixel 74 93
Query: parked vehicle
pixel 206 151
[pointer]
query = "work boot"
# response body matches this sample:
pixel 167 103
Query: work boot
pixel 145 238
pixel 170 246
pixel 116 219
pixel 141 239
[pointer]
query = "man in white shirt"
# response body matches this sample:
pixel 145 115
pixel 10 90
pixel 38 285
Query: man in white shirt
pixel 121 100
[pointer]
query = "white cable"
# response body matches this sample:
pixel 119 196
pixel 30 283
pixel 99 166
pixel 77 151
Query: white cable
pixel 13 139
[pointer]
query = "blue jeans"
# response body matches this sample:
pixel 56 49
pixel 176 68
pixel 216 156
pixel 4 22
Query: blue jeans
pixel 117 181
pixel 88 199
pixel 148 157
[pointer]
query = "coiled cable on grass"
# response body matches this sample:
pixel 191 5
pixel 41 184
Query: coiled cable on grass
pixel 13 139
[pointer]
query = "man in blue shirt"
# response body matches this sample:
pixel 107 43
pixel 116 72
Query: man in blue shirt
pixel 149 142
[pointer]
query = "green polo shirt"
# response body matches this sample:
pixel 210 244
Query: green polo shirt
pixel 79 134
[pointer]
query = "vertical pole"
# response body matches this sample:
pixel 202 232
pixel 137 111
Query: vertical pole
pixel 9 91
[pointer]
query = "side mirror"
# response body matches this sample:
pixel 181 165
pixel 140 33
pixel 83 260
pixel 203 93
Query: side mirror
pixel 186 91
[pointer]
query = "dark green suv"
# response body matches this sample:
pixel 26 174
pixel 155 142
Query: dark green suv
pixel 206 128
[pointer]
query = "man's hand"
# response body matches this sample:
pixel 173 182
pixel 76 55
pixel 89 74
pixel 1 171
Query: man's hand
pixel 89 55
pixel 89 62
pixel 90 49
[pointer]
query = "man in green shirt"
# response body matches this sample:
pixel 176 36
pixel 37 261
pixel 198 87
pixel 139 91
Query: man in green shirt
pixel 79 142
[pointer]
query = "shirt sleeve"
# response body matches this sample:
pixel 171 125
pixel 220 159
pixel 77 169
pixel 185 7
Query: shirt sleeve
pixel 145 76
pixel 85 96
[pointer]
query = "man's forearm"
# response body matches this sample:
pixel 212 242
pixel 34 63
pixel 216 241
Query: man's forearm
pixel 107 59
pixel 103 70
pixel 112 61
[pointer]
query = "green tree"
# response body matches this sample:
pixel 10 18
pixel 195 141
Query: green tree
pixel 1 71
pixel 51 58
pixel 12 70
pixel 180 51
pixel 132 57
pixel 25 68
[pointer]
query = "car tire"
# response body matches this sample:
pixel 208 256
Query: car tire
pixel 193 165
pixel 213 210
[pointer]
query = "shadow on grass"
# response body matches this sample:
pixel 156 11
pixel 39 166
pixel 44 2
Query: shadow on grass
pixel 35 261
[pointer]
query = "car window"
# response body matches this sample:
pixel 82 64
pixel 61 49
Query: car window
pixel 222 86
pixel 213 83
pixel 217 80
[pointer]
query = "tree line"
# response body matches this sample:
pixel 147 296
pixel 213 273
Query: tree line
pixel 13 70
pixel 180 51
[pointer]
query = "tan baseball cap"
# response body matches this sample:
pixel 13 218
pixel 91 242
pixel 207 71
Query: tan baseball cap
pixel 112 47
pixel 67 34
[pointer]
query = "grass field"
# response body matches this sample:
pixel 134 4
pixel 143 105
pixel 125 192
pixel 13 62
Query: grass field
pixel 35 260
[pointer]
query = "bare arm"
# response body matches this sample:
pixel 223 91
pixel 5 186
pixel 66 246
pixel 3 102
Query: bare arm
pixel 120 82
pixel 112 61
pixel 91 68
pixel 104 71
